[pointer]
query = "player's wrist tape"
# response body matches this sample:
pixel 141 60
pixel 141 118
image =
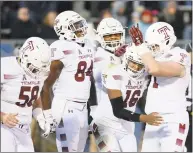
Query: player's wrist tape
pixel 120 112
pixel 37 112
pixel 47 113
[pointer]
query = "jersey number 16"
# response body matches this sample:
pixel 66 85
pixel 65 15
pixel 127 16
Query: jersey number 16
pixel 131 99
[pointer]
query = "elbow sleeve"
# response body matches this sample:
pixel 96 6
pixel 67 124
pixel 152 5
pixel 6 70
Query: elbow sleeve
pixel 120 112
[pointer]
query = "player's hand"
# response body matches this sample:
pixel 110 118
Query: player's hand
pixel 143 49
pixel 152 119
pixel 136 35
pixel 120 51
pixel 50 120
pixel 10 120
pixel 46 123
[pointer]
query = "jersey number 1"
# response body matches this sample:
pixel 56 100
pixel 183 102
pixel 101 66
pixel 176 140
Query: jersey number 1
pixel 155 84
pixel 28 100
pixel 80 74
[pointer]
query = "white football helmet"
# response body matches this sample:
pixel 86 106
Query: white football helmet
pixel 160 37
pixel 109 26
pixel 68 23
pixel 130 59
pixel 35 57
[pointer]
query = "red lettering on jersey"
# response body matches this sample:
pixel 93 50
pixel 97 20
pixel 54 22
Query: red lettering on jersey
pixel 164 31
pixel 182 128
pixel 155 84
pixel 117 77
pixel 28 99
pixel 131 100
pixel 179 142
pixel 8 76
pixel 81 71
pixel 101 145
pixel 67 52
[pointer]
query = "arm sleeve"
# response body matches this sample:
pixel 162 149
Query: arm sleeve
pixel 120 112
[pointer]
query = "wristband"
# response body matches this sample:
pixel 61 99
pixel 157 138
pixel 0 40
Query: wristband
pixel 36 112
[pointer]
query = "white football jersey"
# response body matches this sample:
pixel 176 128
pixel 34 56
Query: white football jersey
pixel 74 81
pixel 103 59
pixel 18 90
pixel 167 94
pixel 132 89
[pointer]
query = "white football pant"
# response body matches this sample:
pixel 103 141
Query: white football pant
pixel 17 139
pixel 168 137
pixel 72 132
pixel 110 139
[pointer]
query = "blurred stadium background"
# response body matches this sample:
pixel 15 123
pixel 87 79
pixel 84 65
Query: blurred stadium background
pixel 20 20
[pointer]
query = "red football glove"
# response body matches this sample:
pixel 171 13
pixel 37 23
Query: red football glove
pixel 136 35
pixel 120 51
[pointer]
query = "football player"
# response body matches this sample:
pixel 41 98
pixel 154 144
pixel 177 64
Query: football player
pixel 70 79
pixel 124 85
pixel 170 70
pixel 110 133
pixel 22 78
pixel 110 35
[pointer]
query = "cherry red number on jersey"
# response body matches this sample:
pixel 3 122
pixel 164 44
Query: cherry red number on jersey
pixel 155 84
pixel 28 99
pixel 132 99
pixel 80 74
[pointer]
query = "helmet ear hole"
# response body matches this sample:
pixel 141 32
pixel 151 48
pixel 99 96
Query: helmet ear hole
pixel 28 64
pixel 167 42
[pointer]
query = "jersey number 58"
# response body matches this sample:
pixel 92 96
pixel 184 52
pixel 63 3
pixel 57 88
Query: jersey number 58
pixel 28 99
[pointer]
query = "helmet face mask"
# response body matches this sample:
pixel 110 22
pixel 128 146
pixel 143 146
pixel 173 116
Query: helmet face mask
pixel 111 34
pixel 134 66
pixel 79 28
pixel 113 40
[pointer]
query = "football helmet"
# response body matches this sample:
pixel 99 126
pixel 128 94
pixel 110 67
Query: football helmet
pixel 107 27
pixel 160 37
pixel 132 62
pixel 35 57
pixel 69 25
